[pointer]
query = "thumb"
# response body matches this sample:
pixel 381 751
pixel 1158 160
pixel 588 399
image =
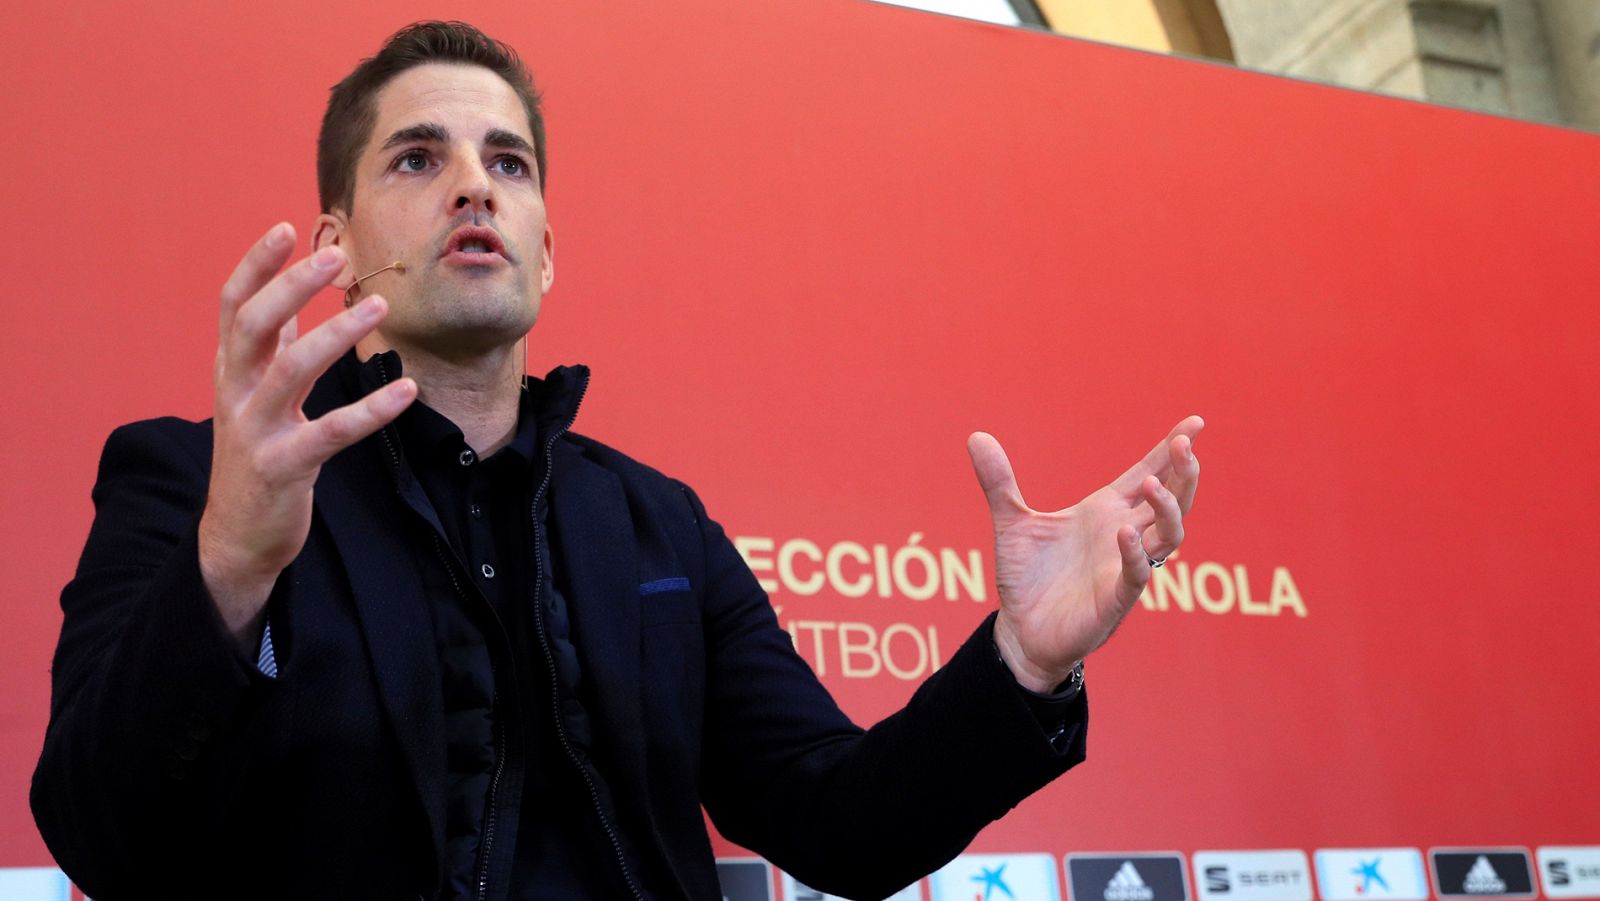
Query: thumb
pixel 995 477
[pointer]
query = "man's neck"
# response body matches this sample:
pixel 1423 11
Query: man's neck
pixel 481 393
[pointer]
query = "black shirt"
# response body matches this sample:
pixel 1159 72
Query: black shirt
pixel 484 511
pixel 545 840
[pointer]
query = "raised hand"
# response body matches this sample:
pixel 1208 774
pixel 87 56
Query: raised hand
pixel 266 454
pixel 1067 578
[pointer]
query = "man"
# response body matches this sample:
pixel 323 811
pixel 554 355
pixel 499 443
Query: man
pixel 385 632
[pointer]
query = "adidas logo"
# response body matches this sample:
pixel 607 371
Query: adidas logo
pixel 1127 886
pixel 1483 880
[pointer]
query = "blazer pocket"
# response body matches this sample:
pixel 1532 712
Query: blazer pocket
pixel 665 601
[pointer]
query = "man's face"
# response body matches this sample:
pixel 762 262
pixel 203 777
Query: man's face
pixel 447 186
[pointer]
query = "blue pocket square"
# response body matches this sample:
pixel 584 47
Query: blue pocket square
pixel 657 586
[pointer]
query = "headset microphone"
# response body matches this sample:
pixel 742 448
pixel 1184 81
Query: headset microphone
pixel 349 293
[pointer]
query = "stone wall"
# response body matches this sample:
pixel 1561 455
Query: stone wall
pixel 1533 59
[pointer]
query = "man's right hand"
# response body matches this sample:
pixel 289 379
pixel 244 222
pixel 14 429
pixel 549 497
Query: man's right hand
pixel 266 454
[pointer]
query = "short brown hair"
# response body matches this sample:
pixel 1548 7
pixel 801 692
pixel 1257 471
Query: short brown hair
pixel 352 107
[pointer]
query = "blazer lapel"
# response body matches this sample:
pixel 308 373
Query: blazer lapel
pixel 598 555
pixel 357 500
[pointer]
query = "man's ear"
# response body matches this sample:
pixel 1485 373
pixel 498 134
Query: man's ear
pixel 329 229
pixel 548 260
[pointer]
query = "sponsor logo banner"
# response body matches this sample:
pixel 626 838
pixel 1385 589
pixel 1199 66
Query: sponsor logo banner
pixel 1570 871
pixel 1359 874
pixel 997 877
pixel 1252 876
pixel 1482 872
pixel 1127 877
pixel 745 879
pixel 34 884
pixel 797 891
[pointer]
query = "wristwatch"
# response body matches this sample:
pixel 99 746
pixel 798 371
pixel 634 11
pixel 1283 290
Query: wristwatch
pixel 1074 681
pixel 1060 738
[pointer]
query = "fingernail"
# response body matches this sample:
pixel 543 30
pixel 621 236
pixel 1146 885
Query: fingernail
pixel 325 259
pixel 370 309
pixel 278 235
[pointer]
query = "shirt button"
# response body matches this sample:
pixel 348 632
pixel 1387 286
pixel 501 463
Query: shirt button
pixel 488 571
pixel 467 456
pixel 476 511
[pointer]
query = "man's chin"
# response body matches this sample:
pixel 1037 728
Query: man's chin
pixel 464 340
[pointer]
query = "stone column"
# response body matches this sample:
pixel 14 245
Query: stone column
pixel 1573 27
pixel 1533 59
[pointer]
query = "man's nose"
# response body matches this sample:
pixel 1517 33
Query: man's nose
pixel 474 190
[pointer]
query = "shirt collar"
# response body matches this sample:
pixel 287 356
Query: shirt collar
pixel 425 433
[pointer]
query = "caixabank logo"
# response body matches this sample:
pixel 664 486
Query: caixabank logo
pixel 997 877
pixel 1127 877
pixel 1570 871
pixel 34 884
pixel 1252 875
pixel 1371 874
pixel 1482 872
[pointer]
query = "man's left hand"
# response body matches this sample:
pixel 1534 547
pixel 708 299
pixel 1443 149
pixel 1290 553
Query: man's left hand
pixel 1067 578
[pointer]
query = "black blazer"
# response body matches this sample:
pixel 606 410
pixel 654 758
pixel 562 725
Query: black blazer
pixel 172 768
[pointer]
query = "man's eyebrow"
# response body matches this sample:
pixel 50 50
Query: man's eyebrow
pixel 427 132
pixel 508 140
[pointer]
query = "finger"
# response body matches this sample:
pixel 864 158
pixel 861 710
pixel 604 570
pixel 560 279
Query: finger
pixel 260 263
pixel 1135 566
pixel 1166 533
pixel 1185 478
pixel 294 369
pixel 258 320
pixel 314 442
pixel 995 477
pixel 1158 462
pixel 287 334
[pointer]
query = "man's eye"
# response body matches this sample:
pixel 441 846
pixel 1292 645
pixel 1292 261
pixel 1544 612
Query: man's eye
pixel 511 165
pixel 415 161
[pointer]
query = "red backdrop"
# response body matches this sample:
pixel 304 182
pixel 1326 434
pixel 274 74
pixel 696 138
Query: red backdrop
pixel 808 245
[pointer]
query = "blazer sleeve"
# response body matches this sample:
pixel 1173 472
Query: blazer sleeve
pixel 147 687
pixel 846 811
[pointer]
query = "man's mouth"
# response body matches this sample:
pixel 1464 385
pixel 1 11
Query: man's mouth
pixel 474 240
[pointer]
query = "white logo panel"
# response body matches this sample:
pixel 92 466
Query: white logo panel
pixel 34 884
pixel 1252 875
pixel 797 891
pixel 1570 871
pixel 1363 874
pixel 997 877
